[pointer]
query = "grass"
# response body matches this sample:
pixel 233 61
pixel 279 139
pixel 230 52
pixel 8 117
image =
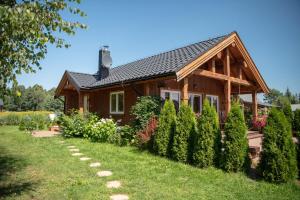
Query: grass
pixel 41 168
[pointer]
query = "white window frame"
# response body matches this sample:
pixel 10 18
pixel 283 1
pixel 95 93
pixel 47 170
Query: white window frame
pixel 192 94
pixel 211 104
pixel 117 102
pixel 163 91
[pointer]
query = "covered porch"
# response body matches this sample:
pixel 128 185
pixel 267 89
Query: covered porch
pixel 232 70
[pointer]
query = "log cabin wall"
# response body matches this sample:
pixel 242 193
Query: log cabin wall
pixel 71 100
pixel 100 101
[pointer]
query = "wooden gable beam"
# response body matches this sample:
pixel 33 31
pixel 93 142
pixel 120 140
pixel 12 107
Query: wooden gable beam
pixel 248 62
pixel 222 77
pixel 65 78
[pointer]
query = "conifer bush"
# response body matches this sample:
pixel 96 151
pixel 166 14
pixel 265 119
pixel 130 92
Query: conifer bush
pixel 278 163
pixel 165 130
pixel 185 128
pixel 207 140
pixel 296 122
pixel 288 113
pixel 235 143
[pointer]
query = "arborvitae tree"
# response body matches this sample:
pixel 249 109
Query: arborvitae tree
pixel 185 129
pixel 287 110
pixel 296 122
pixel 165 130
pixel 235 141
pixel 278 163
pixel 207 139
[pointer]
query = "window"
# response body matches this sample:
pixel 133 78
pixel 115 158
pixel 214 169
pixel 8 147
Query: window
pixel 214 101
pixel 86 103
pixel 117 102
pixel 195 101
pixel 171 94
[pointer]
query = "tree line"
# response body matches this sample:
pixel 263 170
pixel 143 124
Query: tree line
pixel 34 98
pixel 279 98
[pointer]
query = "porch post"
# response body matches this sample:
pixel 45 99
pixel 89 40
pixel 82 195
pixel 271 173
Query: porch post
pixel 184 90
pixel 227 87
pixel 80 102
pixel 146 89
pixel 254 105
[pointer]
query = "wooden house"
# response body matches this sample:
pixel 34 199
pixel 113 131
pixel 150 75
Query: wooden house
pixel 216 69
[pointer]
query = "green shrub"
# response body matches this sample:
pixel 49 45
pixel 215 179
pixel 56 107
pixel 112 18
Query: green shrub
pixel 287 110
pixel 185 130
pixel 34 122
pixel 145 108
pixel 165 130
pixel 125 135
pixel 296 121
pixel 102 130
pixel 207 140
pixel 278 162
pixel 235 143
pixel 73 125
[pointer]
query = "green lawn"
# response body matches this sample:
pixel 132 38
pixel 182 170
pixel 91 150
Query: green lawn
pixel 41 168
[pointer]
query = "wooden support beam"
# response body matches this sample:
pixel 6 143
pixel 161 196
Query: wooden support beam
pixel 227 87
pixel 213 65
pixel 147 89
pixel 219 55
pixel 184 90
pixel 227 92
pixel 221 77
pixel 240 73
pixel 80 102
pixel 254 105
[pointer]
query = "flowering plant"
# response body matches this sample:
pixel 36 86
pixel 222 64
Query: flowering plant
pixel 102 130
pixel 260 122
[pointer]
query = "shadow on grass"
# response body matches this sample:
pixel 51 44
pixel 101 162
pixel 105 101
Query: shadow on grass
pixel 10 165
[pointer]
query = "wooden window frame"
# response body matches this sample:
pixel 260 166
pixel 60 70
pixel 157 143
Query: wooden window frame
pixel 117 102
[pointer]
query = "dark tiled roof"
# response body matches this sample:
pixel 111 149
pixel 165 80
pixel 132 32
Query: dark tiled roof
pixel 83 80
pixel 166 63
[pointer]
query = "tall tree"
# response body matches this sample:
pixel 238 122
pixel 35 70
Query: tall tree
pixel 272 97
pixel 27 28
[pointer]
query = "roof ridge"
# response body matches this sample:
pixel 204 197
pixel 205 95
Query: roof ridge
pixel 81 73
pixel 226 35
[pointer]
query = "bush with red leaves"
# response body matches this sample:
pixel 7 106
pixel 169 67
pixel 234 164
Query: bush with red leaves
pixel 145 136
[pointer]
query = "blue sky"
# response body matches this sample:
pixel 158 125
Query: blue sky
pixel 135 29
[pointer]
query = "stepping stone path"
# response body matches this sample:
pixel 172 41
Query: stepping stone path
pixel 104 173
pixel 109 184
pixel 119 197
pixel 96 164
pixel 77 154
pixel 113 184
pixel 74 150
pixel 84 158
